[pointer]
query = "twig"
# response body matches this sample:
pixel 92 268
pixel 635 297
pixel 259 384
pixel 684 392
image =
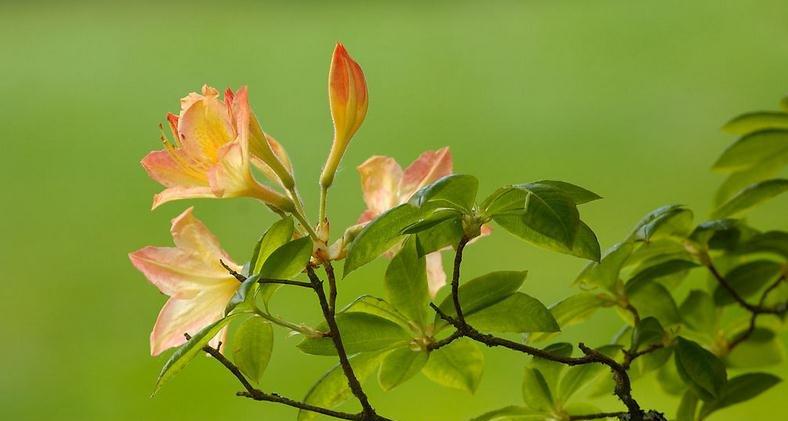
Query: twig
pixel 752 308
pixel 754 316
pixel 259 395
pixel 332 287
pixel 241 278
pixel 597 416
pixel 355 386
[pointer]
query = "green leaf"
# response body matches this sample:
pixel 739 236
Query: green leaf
pixel 332 389
pixel 577 193
pixel 648 332
pixel 576 378
pixel 571 311
pixel 361 332
pixel 406 284
pixel 547 212
pixel 769 168
pixel 252 347
pixel 288 260
pixel 755 121
pixel 747 279
pixel 699 312
pixel 186 352
pixel 701 370
pixel 243 294
pixel 663 269
pixel 763 348
pixel 551 370
pixel 378 307
pixel 433 218
pixel 775 242
pixel 650 362
pixel 653 299
pixel 585 244
pixel 740 389
pixel 482 292
pixel 752 149
pixel 718 233
pixel 518 313
pixel 446 234
pixel 457 191
pixel 688 407
pixel 399 366
pixel 458 365
pixel 665 222
pixel 669 380
pixel 751 196
pixel 512 413
pixel 605 273
pixel 277 235
pixel 536 392
pixel 379 236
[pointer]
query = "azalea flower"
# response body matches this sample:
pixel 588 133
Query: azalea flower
pixel 192 276
pixel 386 185
pixel 347 93
pixel 216 144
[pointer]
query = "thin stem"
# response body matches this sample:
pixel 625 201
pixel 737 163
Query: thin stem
pixel 754 316
pixel 455 278
pixel 597 416
pixel 323 203
pixel 259 395
pixel 304 223
pixel 241 278
pixel 332 287
pixel 752 308
pixel 344 362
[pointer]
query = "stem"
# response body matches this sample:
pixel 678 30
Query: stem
pixel 259 395
pixel 304 223
pixel 328 314
pixel 323 202
pixel 752 308
pixel 332 287
pixel 596 416
pixel 754 316
pixel 455 278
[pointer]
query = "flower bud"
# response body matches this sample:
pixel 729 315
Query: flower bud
pixel 347 93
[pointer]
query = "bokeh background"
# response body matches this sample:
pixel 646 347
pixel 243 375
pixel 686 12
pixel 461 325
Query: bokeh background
pixel 623 97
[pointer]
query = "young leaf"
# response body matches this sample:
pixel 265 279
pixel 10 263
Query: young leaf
pixel 752 149
pixel 774 242
pixel 482 292
pixel 186 352
pixel 762 348
pixel 512 413
pixel 653 299
pixel 243 294
pixel 277 235
pixel 406 284
pixel 536 393
pixel 457 191
pixel 740 389
pixel 662 269
pixel 518 313
pixel 751 196
pixel 577 377
pixel 669 380
pixel 665 222
pixel 688 407
pixel 551 370
pixel 433 218
pixel 767 169
pixel 288 260
pixel 698 312
pixel 378 307
pixel 577 193
pixel 747 279
pixel 442 235
pixel 755 121
pixel 605 273
pixel 252 346
pixel 585 244
pixel 718 233
pixel 399 366
pixel 570 311
pixel 547 212
pixel 649 331
pixel 332 389
pixel 379 236
pixel 701 370
pixel 361 332
pixel 458 365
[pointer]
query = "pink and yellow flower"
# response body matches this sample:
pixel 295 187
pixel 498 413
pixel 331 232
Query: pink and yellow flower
pixel 192 276
pixel 347 93
pixel 216 144
pixel 386 185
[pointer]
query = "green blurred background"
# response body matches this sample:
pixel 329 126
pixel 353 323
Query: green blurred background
pixel 625 98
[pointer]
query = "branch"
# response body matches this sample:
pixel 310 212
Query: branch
pixel 754 316
pixel 259 395
pixel 241 278
pixel 623 387
pixel 596 416
pixel 752 308
pixel 368 411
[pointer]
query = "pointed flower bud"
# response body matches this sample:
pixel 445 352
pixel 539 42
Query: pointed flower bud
pixel 347 92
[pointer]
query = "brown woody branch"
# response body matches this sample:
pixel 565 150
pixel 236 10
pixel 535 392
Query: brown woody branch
pixel 754 315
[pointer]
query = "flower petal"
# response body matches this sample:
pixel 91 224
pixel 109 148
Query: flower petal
pixel 180 192
pixel 162 167
pixel 175 272
pixel 179 316
pixel 427 168
pixel 380 177
pixel 204 125
pixel 436 276
pixel 191 235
